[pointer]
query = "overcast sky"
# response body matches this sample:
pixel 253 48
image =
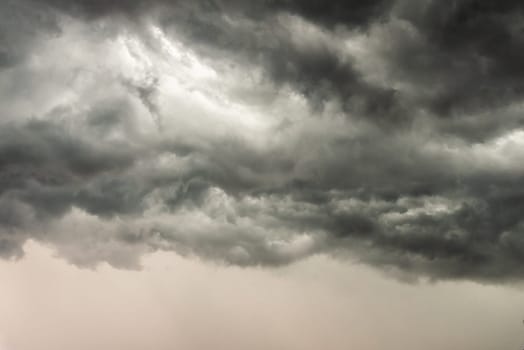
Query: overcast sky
pixel 284 174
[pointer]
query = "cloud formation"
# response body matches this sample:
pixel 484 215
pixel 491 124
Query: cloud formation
pixel 387 132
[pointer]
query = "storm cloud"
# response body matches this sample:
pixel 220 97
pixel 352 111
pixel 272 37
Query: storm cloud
pixel 263 132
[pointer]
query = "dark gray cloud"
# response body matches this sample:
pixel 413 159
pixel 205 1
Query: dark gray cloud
pixel 465 56
pixel 326 13
pixel 258 133
pixel 21 26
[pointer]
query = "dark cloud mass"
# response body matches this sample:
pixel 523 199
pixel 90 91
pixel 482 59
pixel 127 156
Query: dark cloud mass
pixel 261 132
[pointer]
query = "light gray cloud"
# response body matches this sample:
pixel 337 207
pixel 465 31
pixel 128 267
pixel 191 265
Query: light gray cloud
pixel 261 133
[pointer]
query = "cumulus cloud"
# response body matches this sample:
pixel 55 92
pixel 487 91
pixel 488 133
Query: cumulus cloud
pixel 260 133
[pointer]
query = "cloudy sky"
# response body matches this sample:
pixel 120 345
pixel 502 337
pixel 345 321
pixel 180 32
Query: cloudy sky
pixel 283 174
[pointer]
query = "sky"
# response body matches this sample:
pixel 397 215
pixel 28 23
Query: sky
pixel 284 174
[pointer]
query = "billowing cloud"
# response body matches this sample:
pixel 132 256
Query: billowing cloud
pixel 259 133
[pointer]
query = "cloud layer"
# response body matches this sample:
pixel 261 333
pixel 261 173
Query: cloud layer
pixel 387 132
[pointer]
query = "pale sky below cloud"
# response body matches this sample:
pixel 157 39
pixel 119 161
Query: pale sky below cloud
pixel 174 302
